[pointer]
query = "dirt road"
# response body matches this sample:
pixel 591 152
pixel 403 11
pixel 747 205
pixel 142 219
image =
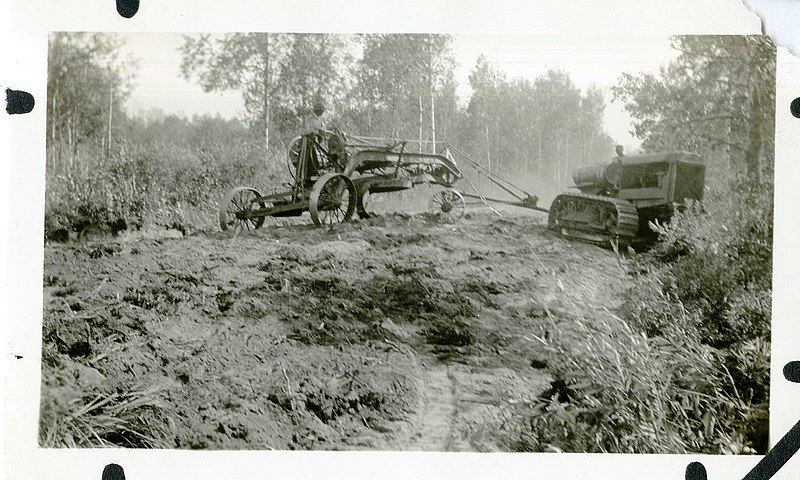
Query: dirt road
pixel 392 333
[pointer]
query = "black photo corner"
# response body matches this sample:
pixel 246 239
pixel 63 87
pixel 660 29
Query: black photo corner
pixel 113 471
pixel 19 102
pixel 127 8
pixel 794 107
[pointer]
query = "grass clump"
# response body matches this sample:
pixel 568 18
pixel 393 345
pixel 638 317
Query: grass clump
pixel 133 419
pixel 616 390
pixel 449 332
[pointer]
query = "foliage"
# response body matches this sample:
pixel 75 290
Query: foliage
pixel 161 178
pixel 694 329
pixel 405 87
pixel 717 99
pixel 237 61
pixel 616 390
pixel 86 89
pixel 278 74
pixel 542 129
pixel 719 258
pixel 685 365
pixel 715 260
pixel 401 86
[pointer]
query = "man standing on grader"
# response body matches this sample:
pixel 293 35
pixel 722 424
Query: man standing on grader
pixel 312 122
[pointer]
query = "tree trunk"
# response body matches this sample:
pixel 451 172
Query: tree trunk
pixel 59 165
pixel 110 110
pixel 488 150
pixel 566 160
pixel 420 122
pixel 433 104
pixel 266 91
pixel 539 160
pixel 753 154
pixel 557 172
pixel 731 163
pixel 433 119
pixel 71 140
pixel 51 154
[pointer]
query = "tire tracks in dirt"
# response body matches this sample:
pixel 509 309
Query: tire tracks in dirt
pixel 437 421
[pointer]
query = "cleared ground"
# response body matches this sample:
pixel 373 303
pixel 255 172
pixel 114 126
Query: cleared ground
pixel 395 332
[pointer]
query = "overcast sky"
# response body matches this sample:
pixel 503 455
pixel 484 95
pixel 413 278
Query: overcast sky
pixel 588 60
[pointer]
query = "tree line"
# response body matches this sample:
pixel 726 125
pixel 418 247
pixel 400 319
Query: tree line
pixel 87 86
pixel 384 85
pixel 716 98
pixel 403 86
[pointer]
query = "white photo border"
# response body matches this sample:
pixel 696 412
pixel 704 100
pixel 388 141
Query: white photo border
pixel 23 205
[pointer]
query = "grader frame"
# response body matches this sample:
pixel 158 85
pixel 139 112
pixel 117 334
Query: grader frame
pixel 333 174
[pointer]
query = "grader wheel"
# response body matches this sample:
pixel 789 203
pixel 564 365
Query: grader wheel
pixel 448 205
pixel 333 199
pixel 236 207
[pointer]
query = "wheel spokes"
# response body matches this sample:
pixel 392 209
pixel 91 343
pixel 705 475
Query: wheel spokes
pixel 237 212
pixel 448 205
pixel 334 202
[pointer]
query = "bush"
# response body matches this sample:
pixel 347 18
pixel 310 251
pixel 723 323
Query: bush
pixel 654 307
pixel 615 390
pixel 159 185
pixel 717 261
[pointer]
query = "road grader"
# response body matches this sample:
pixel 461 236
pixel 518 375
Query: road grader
pixel 333 175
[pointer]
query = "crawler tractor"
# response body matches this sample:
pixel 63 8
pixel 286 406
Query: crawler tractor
pixel 618 201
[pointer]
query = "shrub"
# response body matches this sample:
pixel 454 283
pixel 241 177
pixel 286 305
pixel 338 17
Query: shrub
pixel 153 184
pixel 713 266
pixel 618 391
pixel 654 307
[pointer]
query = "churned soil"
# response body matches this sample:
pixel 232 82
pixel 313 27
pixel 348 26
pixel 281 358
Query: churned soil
pixel 392 333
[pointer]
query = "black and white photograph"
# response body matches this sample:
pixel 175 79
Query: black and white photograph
pixel 408 242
